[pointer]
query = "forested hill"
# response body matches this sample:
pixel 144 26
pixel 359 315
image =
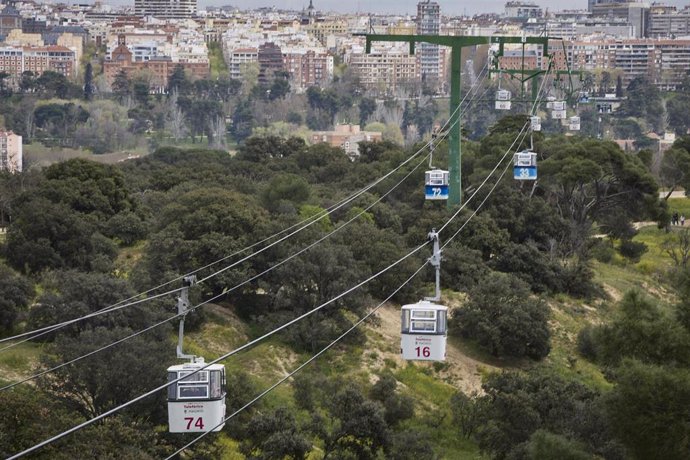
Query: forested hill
pixel 580 343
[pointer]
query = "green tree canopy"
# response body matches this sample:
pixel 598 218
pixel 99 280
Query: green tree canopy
pixel 503 319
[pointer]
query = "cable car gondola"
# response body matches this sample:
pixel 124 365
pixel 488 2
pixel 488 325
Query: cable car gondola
pixel 503 99
pixel 197 402
pixel 535 123
pixel 558 110
pixel 424 324
pixel 436 184
pixel 424 330
pixel 525 165
pixel 196 391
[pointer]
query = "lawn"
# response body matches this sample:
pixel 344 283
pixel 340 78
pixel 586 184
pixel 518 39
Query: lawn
pixel 682 205
pixel 38 154
pixel 18 362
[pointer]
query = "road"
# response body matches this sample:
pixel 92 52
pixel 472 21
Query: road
pixel 675 194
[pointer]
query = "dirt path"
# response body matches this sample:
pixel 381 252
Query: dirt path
pixel 462 371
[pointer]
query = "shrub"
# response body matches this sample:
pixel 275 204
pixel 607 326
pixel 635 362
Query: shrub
pixel 632 250
pixel 602 251
pixel 586 343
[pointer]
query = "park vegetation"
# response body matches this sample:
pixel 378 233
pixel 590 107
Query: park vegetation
pixel 82 235
pixel 70 225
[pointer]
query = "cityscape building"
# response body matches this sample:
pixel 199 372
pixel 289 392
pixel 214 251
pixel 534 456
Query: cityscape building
pixel 429 55
pixel 166 9
pixel 11 154
pixel 523 10
pixel 160 59
pixel 667 22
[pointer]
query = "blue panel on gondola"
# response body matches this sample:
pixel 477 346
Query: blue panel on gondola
pixel 525 172
pixel 436 192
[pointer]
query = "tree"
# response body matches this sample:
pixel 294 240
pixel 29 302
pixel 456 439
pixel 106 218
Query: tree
pixel 15 294
pixel 285 187
pixel 122 85
pixel 242 121
pixel 275 435
pixel 178 82
pixel 317 276
pixel 619 86
pixel 548 446
pixel 27 84
pixel 677 108
pixel 89 87
pixel 280 87
pixel 502 318
pixel 55 84
pixel 47 235
pixel 88 187
pixel 106 130
pixel 410 444
pixel 648 409
pixel 360 430
pixel 588 178
pixel 641 331
pixel 141 90
pixel 605 83
pixel 675 170
pixel 397 407
pixel 644 101
pixel 112 377
pixel 517 405
pixel 367 107
pixel 4 91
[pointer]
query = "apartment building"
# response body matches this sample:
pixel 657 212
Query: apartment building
pixel 308 67
pixel 385 69
pixel 346 137
pixel 323 30
pixel 664 62
pixel 15 60
pixel 429 23
pixel 149 58
pixel 666 22
pixel 270 60
pixel 166 9
pixel 523 10
pixel 239 58
pixel 10 152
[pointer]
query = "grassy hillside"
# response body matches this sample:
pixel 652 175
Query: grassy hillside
pixel 430 385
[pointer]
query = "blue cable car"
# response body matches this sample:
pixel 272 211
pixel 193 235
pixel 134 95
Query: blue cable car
pixel 525 165
pixel 436 184
pixel 502 99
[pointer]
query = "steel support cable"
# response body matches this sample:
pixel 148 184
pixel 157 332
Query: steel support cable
pixel 301 366
pixel 484 181
pixel 502 158
pixel 160 323
pixel 221 358
pixel 105 347
pixel 304 364
pixel 249 344
pixel 307 222
pixel 353 327
pixel 282 380
pixel 47 329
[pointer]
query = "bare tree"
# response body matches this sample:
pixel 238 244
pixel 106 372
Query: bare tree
pixel 678 248
pixel 218 129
